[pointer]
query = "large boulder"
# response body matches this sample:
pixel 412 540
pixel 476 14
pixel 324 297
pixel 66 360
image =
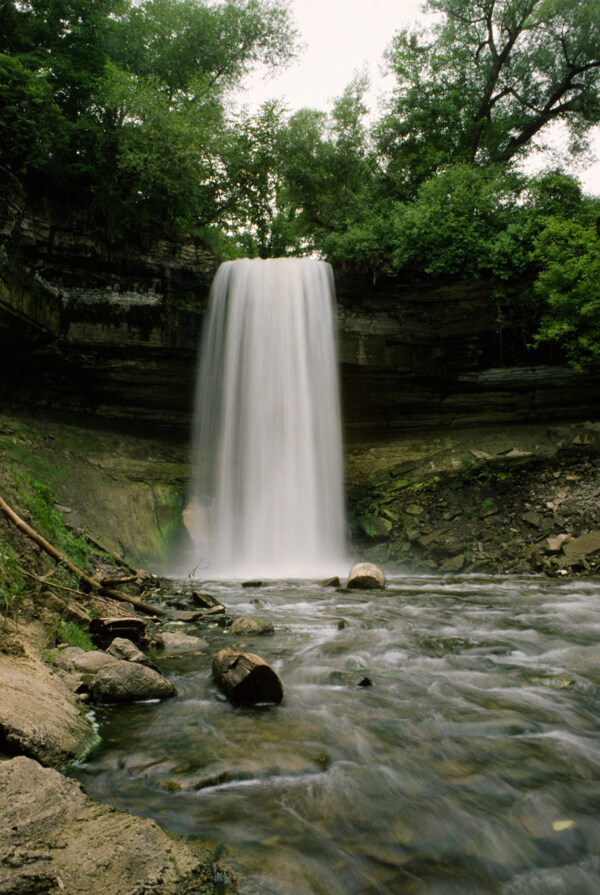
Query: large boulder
pixel 125 682
pixel 54 838
pixel 366 576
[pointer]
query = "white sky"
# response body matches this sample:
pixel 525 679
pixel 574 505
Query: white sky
pixel 341 37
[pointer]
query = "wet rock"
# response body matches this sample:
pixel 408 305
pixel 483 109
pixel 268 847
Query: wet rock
pixel 51 831
pixel 331 582
pixel 249 625
pixel 245 678
pixel 253 583
pixel 349 679
pixel 126 682
pixel 366 576
pixel 203 599
pixel 177 640
pixel 374 526
pixel 124 649
pixel 104 630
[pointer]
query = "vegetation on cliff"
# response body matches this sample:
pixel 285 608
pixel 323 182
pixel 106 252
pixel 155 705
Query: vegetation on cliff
pixel 125 107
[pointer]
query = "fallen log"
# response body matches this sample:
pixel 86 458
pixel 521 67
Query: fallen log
pixel 246 679
pixel 92 583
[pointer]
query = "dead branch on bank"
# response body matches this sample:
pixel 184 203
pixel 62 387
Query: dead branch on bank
pixel 92 583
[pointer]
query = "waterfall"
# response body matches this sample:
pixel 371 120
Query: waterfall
pixel 267 495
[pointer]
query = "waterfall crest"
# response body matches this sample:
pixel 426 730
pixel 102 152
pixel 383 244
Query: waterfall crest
pixel 267 496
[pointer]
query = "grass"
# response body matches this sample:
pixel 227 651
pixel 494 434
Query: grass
pixel 71 634
pixel 38 499
pixel 12 587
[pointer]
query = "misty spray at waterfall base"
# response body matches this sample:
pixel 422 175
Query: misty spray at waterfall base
pixel 267 491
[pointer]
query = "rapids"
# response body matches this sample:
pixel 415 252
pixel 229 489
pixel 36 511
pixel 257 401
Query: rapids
pixel 470 767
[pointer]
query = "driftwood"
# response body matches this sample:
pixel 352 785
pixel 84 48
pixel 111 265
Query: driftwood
pixel 92 583
pixel 246 679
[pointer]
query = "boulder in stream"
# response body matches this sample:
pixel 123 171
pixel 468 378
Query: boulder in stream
pixel 245 678
pixel 126 682
pixel 250 625
pixel 366 576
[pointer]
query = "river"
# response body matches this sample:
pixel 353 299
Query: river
pixel 470 766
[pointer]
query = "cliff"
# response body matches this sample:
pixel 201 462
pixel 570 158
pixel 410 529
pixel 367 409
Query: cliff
pixel 112 330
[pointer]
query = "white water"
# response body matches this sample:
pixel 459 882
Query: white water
pixel 267 494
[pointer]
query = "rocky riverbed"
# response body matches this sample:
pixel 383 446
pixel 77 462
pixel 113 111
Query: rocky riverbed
pixel 511 499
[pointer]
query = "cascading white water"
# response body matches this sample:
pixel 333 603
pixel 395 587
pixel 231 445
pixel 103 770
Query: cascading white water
pixel 267 496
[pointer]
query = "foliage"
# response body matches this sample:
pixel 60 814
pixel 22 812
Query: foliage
pixel 71 634
pixel 37 498
pixel 12 586
pixel 486 79
pixel 569 253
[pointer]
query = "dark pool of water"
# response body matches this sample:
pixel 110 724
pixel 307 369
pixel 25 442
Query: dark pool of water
pixel 471 766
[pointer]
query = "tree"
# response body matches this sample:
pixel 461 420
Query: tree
pixel 569 255
pixel 486 79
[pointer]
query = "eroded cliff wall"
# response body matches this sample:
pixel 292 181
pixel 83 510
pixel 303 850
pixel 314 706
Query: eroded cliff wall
pixel 113 330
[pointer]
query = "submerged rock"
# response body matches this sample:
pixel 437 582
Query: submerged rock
pixel 250 625
pixel 366 576
pixel 125 682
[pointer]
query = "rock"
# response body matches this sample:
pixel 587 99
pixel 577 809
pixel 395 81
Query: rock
pixel 413 509
pixel 253 583
pixel 366 576
pixel 533 519
pixel 331 582
pixel 583 546
pixel 349 679
pixel 52 831
pixel 104 630
pixel 38 714
pixel 89 661
pixel 203 600
pixel 245 678
pixel 454 564
pixel 177 640
pixel 121 648
pixel 126 682
pixel 249 625
pixel 555 545
pixel 374 526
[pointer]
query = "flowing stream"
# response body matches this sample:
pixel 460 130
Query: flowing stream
pixel 470 766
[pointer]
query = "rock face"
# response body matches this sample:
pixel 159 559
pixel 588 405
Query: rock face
pixel 53 838
pixel 366 576
pixel 114 331
pixel 125 682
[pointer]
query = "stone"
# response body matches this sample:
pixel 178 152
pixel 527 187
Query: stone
pixel 104 630
pixel 245 678
pixel 253 583
pixel 555 545
pixel 89 661
pixel 249 625
pixel 178 640
pixel 583 546
pixel 38 714
pixel 126 682
pixel 53 834
pixel 349 679
pixel 374 526
pixel 203 600
pixel 454 564
pixel 366 576
pixel 121 648
pixel 414 509
pixel 331 582
pixel 533 519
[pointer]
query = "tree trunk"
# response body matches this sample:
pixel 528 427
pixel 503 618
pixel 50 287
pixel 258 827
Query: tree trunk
pixel 246 679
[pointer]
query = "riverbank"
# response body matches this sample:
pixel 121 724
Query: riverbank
pixel 520 499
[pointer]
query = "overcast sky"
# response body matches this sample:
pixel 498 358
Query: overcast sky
pixel 341 37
